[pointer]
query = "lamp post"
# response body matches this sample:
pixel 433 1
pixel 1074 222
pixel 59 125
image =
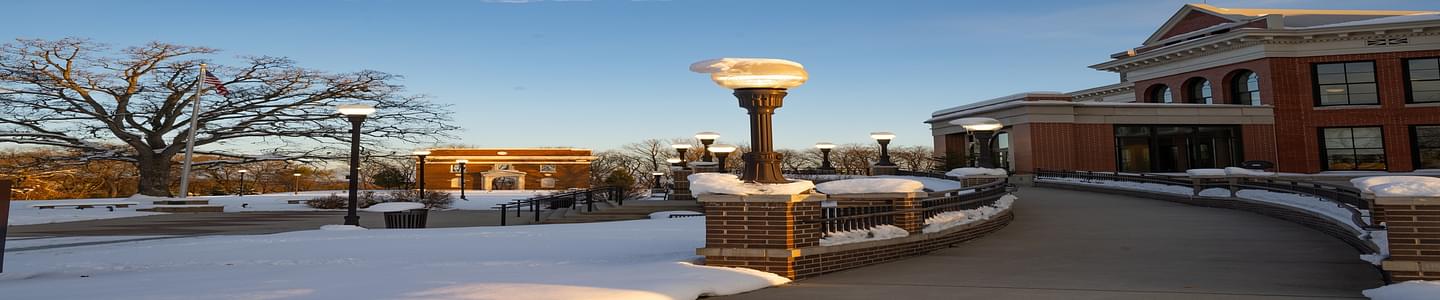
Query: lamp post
pixel 706 138
pixel 241 193
pixel 681 148
pixel 721 152
pixel 825 148
pixel 656 184
pixel 462 163
pixel 883 138
pixel 295 188
pixel 984 130
pixel 356 113
pixel 760 84
pixel 674 162
pixel 421 177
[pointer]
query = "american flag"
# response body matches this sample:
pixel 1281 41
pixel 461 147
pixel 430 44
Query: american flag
pixel 215 81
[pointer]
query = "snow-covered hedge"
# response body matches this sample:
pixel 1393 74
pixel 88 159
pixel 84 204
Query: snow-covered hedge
pixel 870 185
pixel 727 184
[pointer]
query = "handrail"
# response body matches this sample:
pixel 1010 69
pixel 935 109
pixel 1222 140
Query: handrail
pixel 834 219
pixel 1343 197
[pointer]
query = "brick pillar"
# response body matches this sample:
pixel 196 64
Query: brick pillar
pixel 1414 236
pixel 681 182
pixel 911 217
pixel 884 170
pixel 762 232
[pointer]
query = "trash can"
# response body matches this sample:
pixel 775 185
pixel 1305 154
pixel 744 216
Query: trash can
pixel 414 218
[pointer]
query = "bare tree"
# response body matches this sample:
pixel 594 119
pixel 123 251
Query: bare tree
pixel 77 94
pixel 916 158
pixel 651 151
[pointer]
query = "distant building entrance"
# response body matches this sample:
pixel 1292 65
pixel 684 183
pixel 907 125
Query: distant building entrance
pixel 509 168
pixel 1172 148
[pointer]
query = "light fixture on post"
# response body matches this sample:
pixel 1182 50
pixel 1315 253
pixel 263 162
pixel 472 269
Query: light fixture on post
pixel 883 137
pixel 674 162
pixel 462 163
pixel 295 190
pixel 760 84
pixel 721 152
pixel 984 129
pixel 825 148
pixel 682 149
pixel 356 114
pixel 656 184
pixel 241 192
pixel 420 178
pixel 706 138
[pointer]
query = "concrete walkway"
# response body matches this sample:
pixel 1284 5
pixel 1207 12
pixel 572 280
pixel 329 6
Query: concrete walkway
pixel 1079 245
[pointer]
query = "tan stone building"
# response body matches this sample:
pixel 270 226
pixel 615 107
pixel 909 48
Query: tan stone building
pixel 508 168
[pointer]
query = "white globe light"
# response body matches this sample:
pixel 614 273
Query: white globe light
pixel 978 124
pixel 743 73
pixel 708 135
pixel 680 146
pixel 824 145
pixel 882 135
pixel 722 148
pixel 356 109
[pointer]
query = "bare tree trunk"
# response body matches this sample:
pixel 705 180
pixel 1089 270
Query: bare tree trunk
pixel 154 175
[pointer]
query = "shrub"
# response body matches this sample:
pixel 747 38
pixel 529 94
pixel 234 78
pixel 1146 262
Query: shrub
pixel 335 201
pixel 432 199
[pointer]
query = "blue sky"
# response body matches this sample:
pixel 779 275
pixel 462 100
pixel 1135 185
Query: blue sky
pixel 602 73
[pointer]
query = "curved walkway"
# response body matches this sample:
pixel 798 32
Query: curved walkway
pixel 1080 245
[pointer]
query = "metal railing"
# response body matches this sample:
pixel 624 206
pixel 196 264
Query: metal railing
pixel 1347 198
pixel 840 219
pixel 965 198
pixel 924 174
pixel 575 200
pixel 843 218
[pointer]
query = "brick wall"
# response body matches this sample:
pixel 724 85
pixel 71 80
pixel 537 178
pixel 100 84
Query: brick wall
pixel 1258 142
pixel 1094 147
pixel 1414 235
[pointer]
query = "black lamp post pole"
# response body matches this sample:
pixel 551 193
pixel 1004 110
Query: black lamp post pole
pixel 884 153
pixel 705 148
pixel 987 157
pixel 720 159
pixel 241 192
pixel 762 164
pixel 421 177
pixel 462 181
pixel 825 160
pixel 351 218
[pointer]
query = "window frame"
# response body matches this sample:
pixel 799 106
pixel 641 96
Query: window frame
pixel 1415 144
pixel 1409 86
pixel 1156 91
pixel 1316 90
pixel 1235 92
pixel 1325 153
pixel 1196 89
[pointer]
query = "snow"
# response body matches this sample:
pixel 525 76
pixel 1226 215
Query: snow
pixel 1205 172
pixel 1409 290
pixel 1399 186
pixel 729 184
pixel 933 184
pixel 31 242
pixel 870 185
pixel 21 212
pixel 643 259
pixel 341 228
pixel 395 206
pixel 881 232
pixel 969 171
pixel 1236 171
pixel 667 214
pixel 950 219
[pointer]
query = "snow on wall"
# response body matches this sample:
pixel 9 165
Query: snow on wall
pixel 947 220
pixel 969 171
pixel 1409 290
pixel 728 184
pixel 1399 186
pixel 870 185
pixel 882 232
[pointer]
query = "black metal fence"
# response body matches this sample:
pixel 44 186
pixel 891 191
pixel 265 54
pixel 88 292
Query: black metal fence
pixel 846 218
pixel 965 198
pixel 839 219
pixel 1347 198
pixel 583 200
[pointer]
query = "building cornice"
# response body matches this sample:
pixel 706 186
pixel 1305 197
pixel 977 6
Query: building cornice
pixel 1242 37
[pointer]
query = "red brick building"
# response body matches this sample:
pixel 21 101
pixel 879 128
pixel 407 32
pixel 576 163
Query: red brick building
pixel 1310 90
pixel 508 168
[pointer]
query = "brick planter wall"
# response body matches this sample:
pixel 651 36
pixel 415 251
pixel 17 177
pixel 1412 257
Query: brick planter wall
pixel 1414 225
pixel 776 233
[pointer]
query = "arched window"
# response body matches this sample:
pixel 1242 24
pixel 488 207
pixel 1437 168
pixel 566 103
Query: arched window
pixel 1246 88
pixel 1161 94
pixel 1199 91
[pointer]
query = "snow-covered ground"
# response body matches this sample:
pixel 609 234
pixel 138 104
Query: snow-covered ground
pixel 643 259
pixel 1409 290
pixel 947 220
pixel 21 212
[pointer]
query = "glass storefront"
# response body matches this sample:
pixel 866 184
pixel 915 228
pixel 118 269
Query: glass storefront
pixel 1171 148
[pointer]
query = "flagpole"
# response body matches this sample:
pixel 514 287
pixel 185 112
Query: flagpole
pixel 190 141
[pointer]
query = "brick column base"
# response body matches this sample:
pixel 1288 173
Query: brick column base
pixel 1414 236
pixel 978 180
pixel 762 232
pixel 681 190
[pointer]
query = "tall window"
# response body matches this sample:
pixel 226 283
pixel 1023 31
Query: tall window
pixel 1161 94
pixel 1424 80
pixel 1200 91
pixel 1246 88
pixel 1353 148
pixel 1351 83
pixel 1426 141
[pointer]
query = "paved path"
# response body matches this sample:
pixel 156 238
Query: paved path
pixel 1078 245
